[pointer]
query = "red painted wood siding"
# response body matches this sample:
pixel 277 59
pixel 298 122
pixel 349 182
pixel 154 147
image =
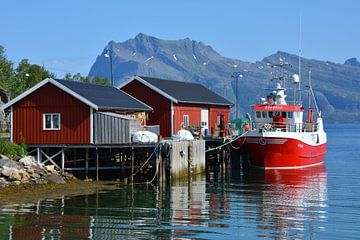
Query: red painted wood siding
pixel 194 112
pixel 214 112
pixel 28 118
pixel 161 105
pixel 180 110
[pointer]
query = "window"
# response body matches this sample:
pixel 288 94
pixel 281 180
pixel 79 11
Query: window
pixel 264 114
pixel 271 114
pixel 283 114
pixel 258 114
pixel 186 120
pixel 290 114
pixel 51 121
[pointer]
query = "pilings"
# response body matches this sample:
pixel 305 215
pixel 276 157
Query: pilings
pixel 135 163
pixel 187 158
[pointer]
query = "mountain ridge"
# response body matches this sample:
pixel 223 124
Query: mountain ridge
pixel 336 85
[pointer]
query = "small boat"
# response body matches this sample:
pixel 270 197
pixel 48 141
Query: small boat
pixel 279 138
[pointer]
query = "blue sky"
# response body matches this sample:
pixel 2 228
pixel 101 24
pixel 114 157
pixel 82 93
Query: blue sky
pixel 67 35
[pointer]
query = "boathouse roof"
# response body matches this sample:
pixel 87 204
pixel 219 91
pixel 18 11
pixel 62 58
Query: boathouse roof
pixel 96 96
pixel 183 92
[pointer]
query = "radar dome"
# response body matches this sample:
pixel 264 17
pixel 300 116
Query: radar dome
pixel 295 78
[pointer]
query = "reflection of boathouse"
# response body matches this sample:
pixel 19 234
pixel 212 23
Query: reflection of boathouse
pixel 274 204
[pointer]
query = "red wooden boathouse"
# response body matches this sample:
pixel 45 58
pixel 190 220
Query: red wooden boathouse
pixel 65 112
pixel 178 104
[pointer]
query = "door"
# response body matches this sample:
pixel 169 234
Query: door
pixel 205 121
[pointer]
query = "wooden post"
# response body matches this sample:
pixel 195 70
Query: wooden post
pixel 161 167
pixel 123 161
pixel 132 165
pixel 75 157
pixel 38 153
pixel 190 158
pixel 87 163
pixel 97 164
pixel 62 160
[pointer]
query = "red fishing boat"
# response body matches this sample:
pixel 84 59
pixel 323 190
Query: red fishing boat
pixel 279 138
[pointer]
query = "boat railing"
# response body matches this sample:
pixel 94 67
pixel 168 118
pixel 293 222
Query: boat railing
pixel 285 127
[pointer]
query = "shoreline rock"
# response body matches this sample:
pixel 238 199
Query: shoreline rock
pixel 26 170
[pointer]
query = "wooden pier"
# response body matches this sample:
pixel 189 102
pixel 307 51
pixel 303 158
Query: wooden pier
pixel 134 163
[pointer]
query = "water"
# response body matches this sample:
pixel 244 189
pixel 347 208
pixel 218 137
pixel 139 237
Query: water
pixel 317 203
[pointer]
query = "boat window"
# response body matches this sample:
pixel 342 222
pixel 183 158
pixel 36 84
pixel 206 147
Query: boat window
pixel 290 114
pixel 258 114
pixel 283 114
pixel 264 114
pixel 271 114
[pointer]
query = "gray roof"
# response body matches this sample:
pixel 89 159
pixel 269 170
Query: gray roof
pixel 105 97
pixel 187 92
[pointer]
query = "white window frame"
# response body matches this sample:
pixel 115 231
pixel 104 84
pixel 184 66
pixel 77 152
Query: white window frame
pixel 186 123
pixel 51 122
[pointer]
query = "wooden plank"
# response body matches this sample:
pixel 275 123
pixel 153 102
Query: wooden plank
pixel 198 153
pixel 179 159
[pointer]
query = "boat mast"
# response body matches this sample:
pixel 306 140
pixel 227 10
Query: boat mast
pixel 310 112
pixel 312 96
pixel 300 36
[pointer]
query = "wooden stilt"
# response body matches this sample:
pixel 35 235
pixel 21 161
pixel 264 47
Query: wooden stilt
pixel 38 154
pixel 86 163
pixel 132 165
pixel 74 157
pixel 97 164
pixel 160 176
pixel 62 160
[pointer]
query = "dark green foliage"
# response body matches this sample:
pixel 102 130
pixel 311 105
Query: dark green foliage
pixel 96 80
pixel 6 70
pixel 26 75
pixel 11 150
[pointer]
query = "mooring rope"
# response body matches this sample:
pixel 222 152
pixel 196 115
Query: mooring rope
pixel 147 160
pixel 156 173
pixel 227 143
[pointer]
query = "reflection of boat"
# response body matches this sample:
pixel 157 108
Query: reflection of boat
pixel 279 138
pixel 286 201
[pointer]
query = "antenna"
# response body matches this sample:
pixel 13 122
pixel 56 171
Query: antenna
pixel 310 89
pixel 300 37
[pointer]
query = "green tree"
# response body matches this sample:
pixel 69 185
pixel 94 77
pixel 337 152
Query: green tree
pixel 68 76
pixel 32 74
pixel 101 81
pixel 78 77
pixel 6 70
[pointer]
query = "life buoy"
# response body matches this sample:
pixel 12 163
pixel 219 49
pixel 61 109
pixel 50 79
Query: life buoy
pixel 246 127
pixel 262 141
pixel 267 126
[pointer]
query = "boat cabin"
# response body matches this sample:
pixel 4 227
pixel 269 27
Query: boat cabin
pixel 278 116
pixel 274 114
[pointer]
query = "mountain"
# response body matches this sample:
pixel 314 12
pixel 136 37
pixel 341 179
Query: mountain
pixel 336 85
pixel 352 62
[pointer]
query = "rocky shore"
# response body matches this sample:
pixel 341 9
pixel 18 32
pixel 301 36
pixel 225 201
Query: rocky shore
pixel 26 181
pixel 26 170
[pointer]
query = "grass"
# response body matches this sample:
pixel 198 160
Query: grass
pixel 11 150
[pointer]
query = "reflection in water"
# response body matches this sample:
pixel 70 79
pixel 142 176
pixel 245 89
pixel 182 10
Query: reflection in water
pixel 270 204
pixel 287 200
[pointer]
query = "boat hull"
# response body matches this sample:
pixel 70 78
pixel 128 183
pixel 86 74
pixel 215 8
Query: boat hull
pixel 282 153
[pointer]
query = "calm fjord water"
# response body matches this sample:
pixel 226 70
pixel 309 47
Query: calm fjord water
pixel 314 203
